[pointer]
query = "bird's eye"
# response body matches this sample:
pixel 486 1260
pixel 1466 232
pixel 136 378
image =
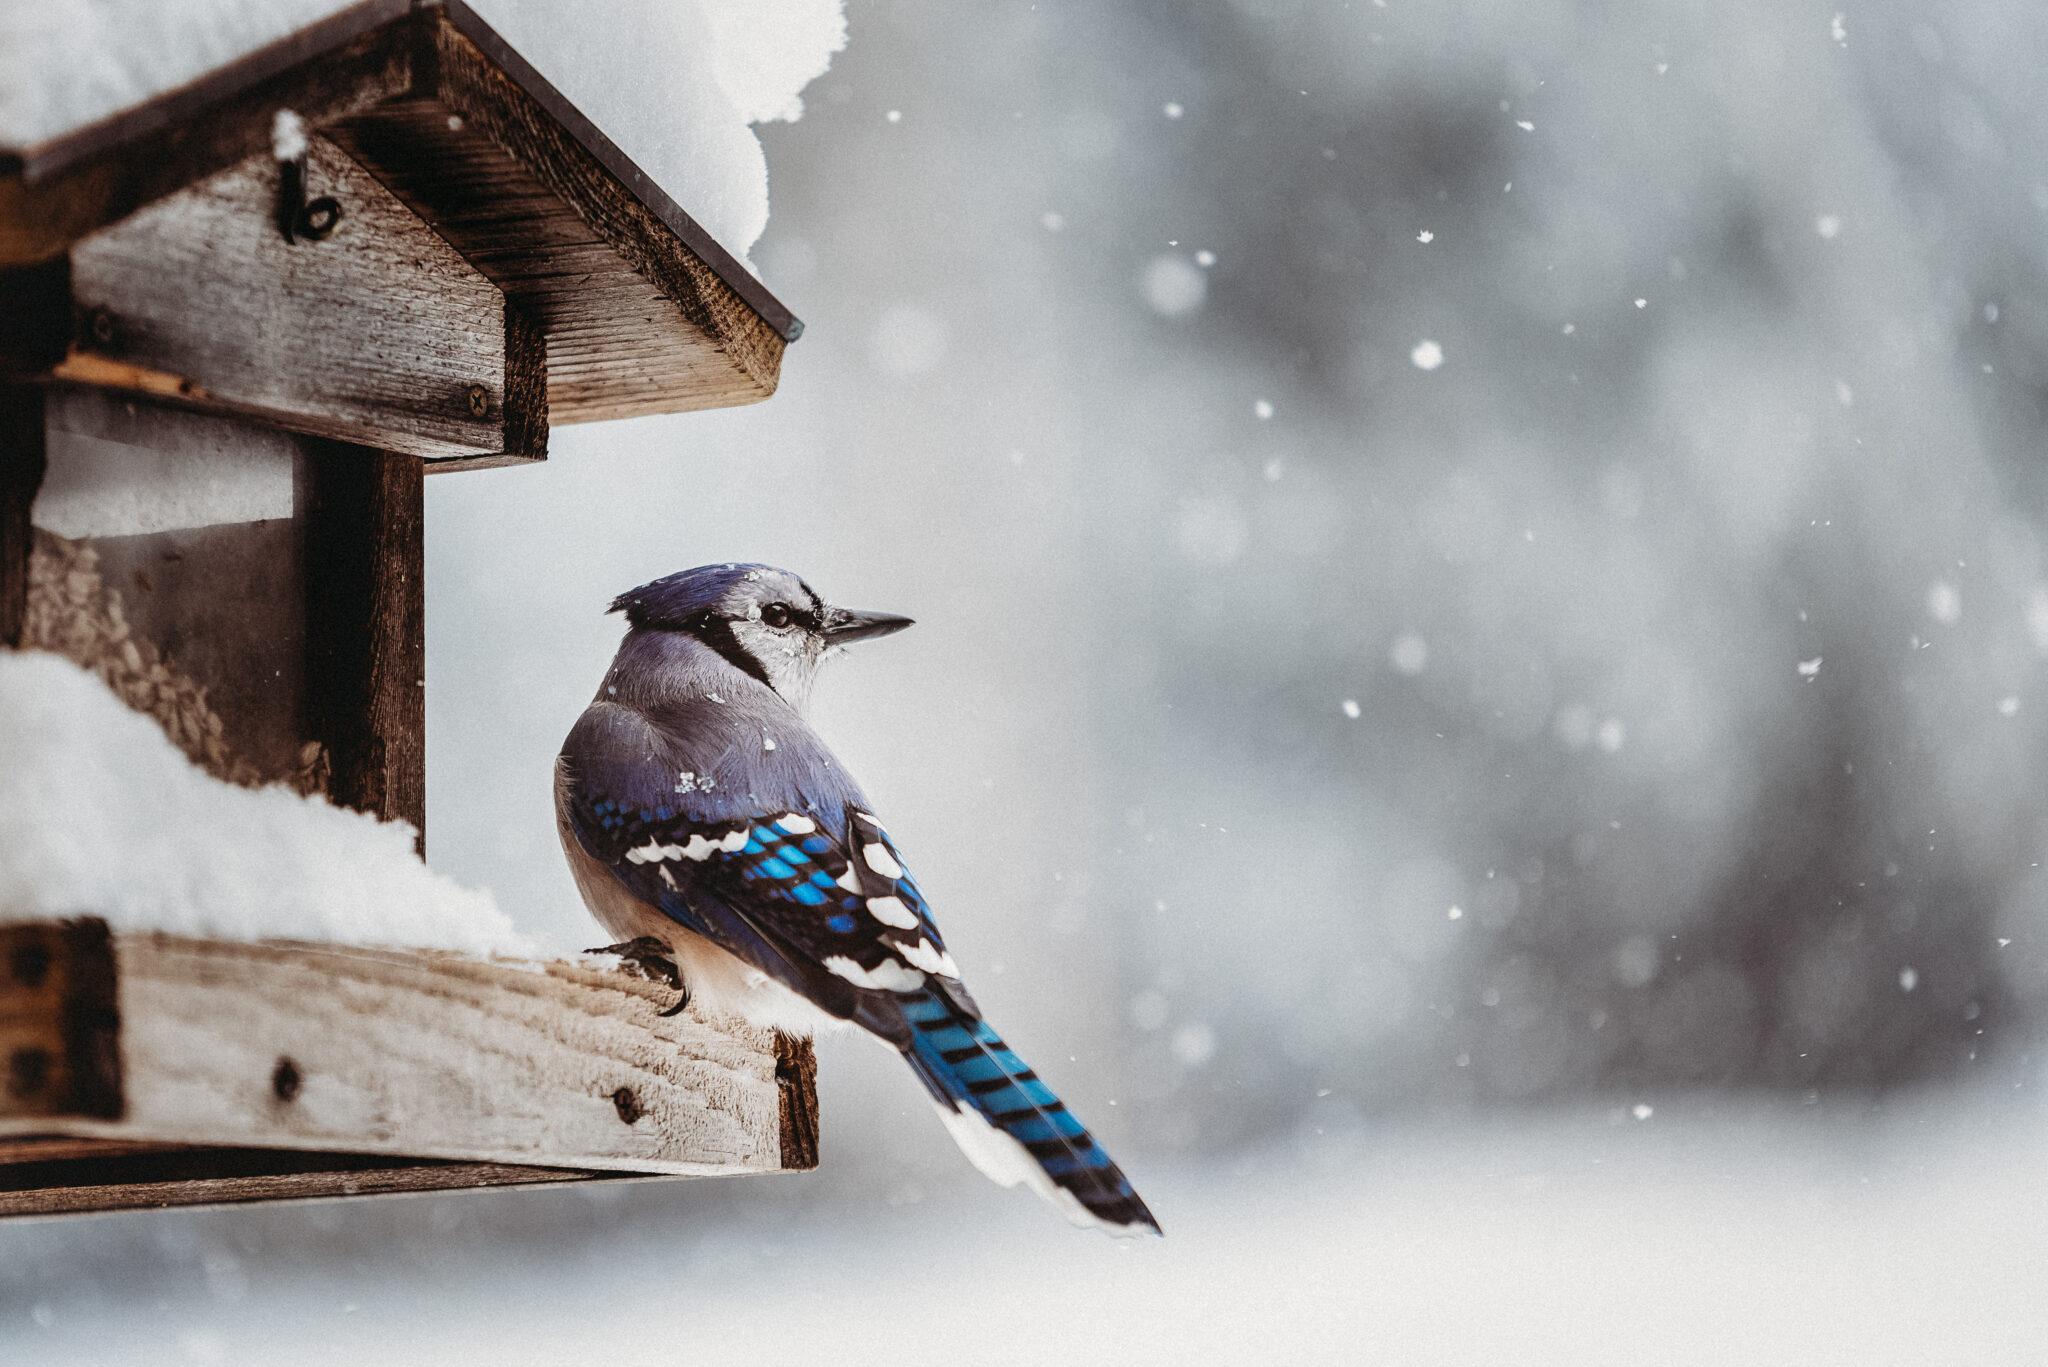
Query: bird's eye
pixel 776 615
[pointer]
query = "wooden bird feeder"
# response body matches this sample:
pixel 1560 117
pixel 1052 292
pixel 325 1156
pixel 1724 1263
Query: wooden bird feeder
pixel 238 324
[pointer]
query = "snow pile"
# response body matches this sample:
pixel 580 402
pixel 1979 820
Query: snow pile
pixel 101 815
pixel 677 84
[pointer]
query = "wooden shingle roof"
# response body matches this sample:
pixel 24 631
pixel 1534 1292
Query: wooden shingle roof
pixel 639 310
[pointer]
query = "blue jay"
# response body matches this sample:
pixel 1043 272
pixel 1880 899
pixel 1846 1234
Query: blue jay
pixel 707 825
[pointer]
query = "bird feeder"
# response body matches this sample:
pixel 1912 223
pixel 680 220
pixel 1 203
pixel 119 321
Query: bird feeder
pixel 241 322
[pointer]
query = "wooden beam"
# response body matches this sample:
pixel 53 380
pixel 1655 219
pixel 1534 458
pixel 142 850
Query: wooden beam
pixel 22 463
pixel 216 1070
pixel 364 519
pixel 377 332
pixel 644 312
pixel 153 1177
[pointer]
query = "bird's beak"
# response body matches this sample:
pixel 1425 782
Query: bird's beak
pixel 843 626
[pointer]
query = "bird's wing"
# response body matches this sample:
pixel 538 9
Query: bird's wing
pixel 797 879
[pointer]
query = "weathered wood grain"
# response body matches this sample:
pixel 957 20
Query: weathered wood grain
pixel 365 1063
pixel 364 521
pixel 637 319
pixel 59 1028
pixel 379 333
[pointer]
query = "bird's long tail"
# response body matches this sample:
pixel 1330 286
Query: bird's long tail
pixel 1008 1123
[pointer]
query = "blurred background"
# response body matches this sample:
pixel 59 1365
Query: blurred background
pixel 1476 707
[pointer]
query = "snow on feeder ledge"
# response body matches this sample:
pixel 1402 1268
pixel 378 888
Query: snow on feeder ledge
pixel 242 319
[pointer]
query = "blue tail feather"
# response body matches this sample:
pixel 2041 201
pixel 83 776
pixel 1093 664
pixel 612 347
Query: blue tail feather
pixel 971 1071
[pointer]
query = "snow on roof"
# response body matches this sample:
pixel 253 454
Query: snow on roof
pixel 677 84
pixel 105 817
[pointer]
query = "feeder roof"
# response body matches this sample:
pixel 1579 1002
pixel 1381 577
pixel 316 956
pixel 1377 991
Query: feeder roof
pixel 642 310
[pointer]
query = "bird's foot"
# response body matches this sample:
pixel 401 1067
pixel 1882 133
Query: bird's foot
pixel 651 958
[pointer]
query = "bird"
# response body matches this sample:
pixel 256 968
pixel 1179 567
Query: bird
pixel 711 830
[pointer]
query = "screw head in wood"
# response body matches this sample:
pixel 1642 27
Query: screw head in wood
pixel 479 400
pixel 285 1080
pixel 99 325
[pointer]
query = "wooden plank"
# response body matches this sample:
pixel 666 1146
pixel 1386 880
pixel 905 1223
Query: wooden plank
pixel 379 333
pixel 153 1177
pixel 364 520
pixel 640 318
pixel 796 1076
pixel 349 1054
pixel 601 149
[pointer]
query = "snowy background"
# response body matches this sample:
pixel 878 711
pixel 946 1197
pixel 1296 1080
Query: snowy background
pixel 1477 706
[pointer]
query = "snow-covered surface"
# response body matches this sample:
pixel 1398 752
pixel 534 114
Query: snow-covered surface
pixel 201 471
pixel 677 84
pixel 1758 1233
pixel 105 817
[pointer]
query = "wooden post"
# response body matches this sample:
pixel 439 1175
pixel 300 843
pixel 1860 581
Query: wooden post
pixel 366 641
pixel 21 474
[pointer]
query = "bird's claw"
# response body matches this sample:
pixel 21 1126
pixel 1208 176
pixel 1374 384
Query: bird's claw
pixel 651 957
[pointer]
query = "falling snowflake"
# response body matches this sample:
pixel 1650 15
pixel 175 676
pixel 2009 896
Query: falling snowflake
pixel 1427 355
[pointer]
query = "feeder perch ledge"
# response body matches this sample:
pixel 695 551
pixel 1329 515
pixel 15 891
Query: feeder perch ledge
pixel 151 1070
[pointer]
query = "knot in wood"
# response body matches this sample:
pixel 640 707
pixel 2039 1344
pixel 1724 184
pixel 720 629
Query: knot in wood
pixel 627 1105
pixel 285 1080
pixel 27 1071
pixel 29 964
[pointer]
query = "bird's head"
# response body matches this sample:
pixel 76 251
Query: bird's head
pixel 765 621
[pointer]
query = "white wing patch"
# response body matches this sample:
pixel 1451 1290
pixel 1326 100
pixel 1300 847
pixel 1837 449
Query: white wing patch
pixel 890 911
pixel 881 861
pixel 887 976
pixel 699 848
pixel 926 957
pixel 796 824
